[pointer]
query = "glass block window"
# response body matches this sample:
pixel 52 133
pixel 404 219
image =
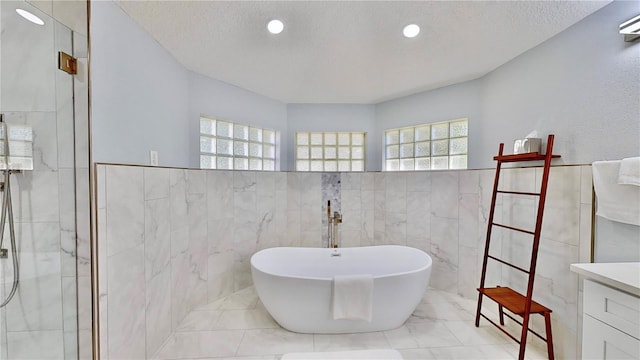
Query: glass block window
pixel 227 145
pixel 330 151
pixel 435 146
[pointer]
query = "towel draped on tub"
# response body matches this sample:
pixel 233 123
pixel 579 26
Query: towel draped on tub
pixel 353 297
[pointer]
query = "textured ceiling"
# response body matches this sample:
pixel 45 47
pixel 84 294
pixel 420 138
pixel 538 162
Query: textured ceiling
pixel 350 51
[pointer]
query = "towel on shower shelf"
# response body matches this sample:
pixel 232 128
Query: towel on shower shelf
pixel 629 171
pixel 616 202
pixel 353 297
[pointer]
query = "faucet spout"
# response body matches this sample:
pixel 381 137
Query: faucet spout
pixel 333 222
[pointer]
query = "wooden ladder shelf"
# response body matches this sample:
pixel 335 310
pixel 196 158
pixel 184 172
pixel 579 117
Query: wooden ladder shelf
pixel 507 298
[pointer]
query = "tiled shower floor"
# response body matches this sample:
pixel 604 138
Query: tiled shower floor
pixel 239 327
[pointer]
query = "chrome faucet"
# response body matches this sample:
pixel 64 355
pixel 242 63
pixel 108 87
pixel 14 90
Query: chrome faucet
pixel 332 226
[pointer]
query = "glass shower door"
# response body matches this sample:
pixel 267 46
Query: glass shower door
pixel 40 321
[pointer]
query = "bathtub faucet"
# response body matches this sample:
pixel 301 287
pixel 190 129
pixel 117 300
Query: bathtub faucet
pixel 333 221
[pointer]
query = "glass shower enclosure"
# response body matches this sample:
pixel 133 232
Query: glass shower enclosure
pixel 44 319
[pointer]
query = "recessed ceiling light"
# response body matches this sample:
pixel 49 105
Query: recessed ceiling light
pixel 411 30
pixel 275 26
pixel 29 16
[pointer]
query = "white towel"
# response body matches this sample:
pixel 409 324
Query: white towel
pixel 353 297
pixel 615 202
pixel 629 171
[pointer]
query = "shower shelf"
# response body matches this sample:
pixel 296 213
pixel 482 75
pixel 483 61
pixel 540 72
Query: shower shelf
pixel 507 298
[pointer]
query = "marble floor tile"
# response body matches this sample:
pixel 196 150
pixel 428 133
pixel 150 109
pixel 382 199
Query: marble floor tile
pixel 533 352
pixel 340 342
pixel 240 300
pixel 263 357
pixel 239 327
pixel 201 344
pixel 246 319
pixel 200 321
pixel 469 334
pixel 471 352
pixel 450 311
pixel 417 354
pixel 274 341
pixel 424 334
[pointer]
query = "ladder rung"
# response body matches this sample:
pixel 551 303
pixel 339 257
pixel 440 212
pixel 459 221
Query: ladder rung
pixel 506 332
pixel 509 264
pixel 531 330
pixel 500 328
pixel 518 192
pixel 514 228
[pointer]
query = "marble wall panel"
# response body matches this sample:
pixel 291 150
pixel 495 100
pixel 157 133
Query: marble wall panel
pixel 219 195
pixel 198 245
pixel 157 237
pixel 444 213
pixel 156 183
pixel 178 196
pixel 157 310
pixel 419 181
pixel 196 182
pixel 395 182
pixel 84 305
pixel 28 310
pixel 444 194
pixel 70 316
pixel 126 317
pixel 245 223
pixel 35 196
pixel 418 218
pixel 67 246
pixel 444 251
pixel 266 210
pixel 367 215
pixel 468 277
pixel 29 345
pixel 180 268
pixel 83 230
pixel 468 220
pixel 294 190
pixel 125 196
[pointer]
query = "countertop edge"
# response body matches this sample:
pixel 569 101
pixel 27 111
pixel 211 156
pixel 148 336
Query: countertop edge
pixel 594 271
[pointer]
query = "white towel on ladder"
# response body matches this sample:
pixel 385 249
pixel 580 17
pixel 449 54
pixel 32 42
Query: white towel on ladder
pixel 616 202
pixel 629 171
pixel 353 297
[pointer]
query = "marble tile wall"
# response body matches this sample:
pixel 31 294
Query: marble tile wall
pixel 159 219
pixel 41 321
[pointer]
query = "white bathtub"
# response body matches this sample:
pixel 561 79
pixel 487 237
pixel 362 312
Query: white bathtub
pixel 295 285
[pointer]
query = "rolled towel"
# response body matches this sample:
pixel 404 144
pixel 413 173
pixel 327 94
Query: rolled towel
pixel 353 297
pixel 629 171
pixel 615 202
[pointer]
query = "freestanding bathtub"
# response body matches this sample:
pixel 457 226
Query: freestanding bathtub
pixel 295 285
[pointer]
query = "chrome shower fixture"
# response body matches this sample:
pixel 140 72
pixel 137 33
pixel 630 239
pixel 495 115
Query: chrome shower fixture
pixel 16 153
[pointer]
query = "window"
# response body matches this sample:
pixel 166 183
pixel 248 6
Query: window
pixel 330 151
pixel 227 145
pixel 427 147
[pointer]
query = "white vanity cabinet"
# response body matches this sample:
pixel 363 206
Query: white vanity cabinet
pixel 611 310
